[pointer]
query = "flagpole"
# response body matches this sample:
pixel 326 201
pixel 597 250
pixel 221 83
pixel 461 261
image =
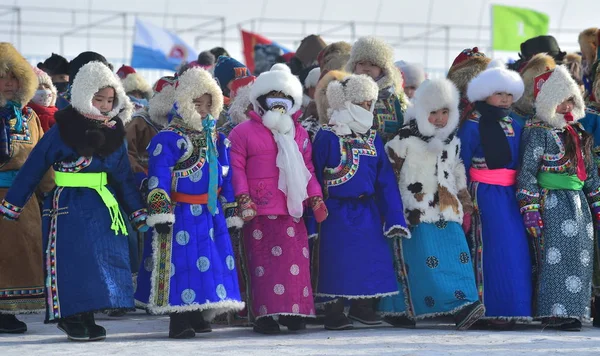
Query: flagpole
pixel 492 31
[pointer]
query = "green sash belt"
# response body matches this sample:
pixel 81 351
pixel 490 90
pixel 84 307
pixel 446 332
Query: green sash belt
pixel 559 181
pixel 96 181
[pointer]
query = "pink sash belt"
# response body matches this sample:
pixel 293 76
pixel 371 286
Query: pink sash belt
pixel 503 177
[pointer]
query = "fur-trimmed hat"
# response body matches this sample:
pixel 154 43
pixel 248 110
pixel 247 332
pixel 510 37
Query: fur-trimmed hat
pixel 241 83
pixel 380 54
pixel 412 73
pixel 550 90
pixel 321 93
pixel 496 78
pixel 312 79
pixel 279 79
pixel 433 95
pixel 11 61
pixel 467 65
pixel 239 105
pixel 132 81
pixel 91 78
pixel 161 103
pixel 44 78
pixel 334 57
pixel 82 59
pixel 191 85
pixel 353 88
pixel 539 64
pixel 588 43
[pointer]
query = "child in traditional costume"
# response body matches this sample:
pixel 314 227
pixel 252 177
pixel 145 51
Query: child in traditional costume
pixel 21 271
pixel 435 264
pixel 273 180
pixel 191 206
pixel 86 260
pixel 559 193
pixel 355 262
pixel 490 142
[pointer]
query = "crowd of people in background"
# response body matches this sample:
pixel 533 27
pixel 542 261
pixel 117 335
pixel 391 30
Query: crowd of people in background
pixel 334 185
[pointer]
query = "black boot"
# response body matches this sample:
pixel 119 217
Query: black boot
pixel 95 331
pixel 75 328
pixel 180 326
pixel 198 323
pixel 400 321
pixel 362 311
pixel 292 322
pixel 335 319
pixel 266 325
pixel 9 324
pixel 469 315
pixel 596 322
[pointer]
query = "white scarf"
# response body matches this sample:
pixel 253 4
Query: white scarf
pixel 293 174
pixel 352 118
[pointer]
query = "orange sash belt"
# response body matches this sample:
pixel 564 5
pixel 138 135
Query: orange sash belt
pixel 199 199
pixel 503 177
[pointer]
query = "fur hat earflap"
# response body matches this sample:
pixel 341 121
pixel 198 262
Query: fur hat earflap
pixel 161 103
pixel 11 61
pixel 380 54
pixel 239 105
pixel 433 95
pixel 279 79
pixel 551 89
pixel 321 93
pixel 539 64
pixel 312 78
pixel 351 88
pixel 91 78
pixel 493 80
pixel 191 85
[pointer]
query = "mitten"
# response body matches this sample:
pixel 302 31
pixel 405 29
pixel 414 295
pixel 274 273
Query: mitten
pixel 163 228
pixel 246 207
pixel 533 223
pixel 466 225
pixel 319 209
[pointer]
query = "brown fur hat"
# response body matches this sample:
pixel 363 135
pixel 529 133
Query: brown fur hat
pixel 539 64
pixel 588 43
pixel 11 61
pixel 462 73
pixel 321 93
pixel 334 57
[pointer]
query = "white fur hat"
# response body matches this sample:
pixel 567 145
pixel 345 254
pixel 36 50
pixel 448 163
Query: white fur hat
pixel 353 88
pixel 433 95
pixel 496 78
pixel 312 78
pixel 163 99
pixel 91 78
pixel 192 84
pixel 379 53
pixel 281 79
pixel 551 89
pixel 133 80
pixel 412 73
pixel 239 105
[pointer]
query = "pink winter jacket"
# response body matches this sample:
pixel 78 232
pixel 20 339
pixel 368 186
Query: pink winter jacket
pixel 253 155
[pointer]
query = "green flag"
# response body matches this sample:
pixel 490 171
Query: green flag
pixel 512 26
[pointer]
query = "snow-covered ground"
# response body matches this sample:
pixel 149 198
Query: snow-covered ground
pixel 141 334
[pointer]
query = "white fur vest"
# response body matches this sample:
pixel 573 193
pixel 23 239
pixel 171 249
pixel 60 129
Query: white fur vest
pixel 429 182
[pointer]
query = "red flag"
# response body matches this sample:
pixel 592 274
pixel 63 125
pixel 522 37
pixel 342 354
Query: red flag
pixel 249 40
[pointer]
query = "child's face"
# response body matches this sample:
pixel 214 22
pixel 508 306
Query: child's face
pixel 203 105
pixel 368 68
pixel 9 86
pixel 500 99
pixel 60 78
pixel 410 91
pixel 365 105
pixel 566 106
pixel 136 94
pixel 439 118
pixel 43 86
pixel 104 99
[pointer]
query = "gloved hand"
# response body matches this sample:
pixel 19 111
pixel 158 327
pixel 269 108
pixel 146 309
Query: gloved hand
pixel 319 209
pixel 163 228
pixel 467 223
pixel 533 223
pixel 596 216
pixel 246 207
